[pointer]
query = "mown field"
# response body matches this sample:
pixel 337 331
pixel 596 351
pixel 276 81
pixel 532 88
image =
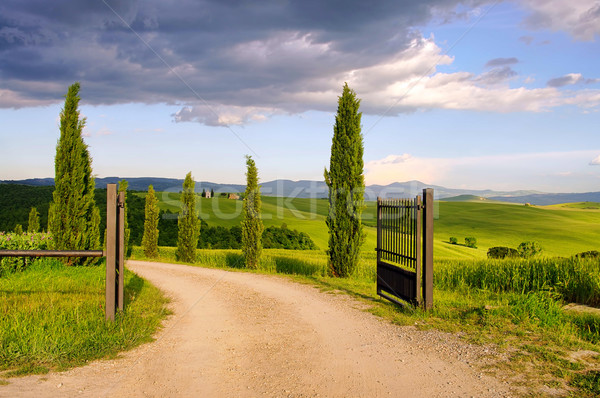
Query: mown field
pixel 561 230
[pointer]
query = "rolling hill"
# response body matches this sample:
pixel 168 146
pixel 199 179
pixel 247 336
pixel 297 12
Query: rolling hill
pixel 562 230
pixel 318 189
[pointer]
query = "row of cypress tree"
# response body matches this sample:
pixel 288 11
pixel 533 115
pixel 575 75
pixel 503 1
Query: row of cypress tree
pixel 189 224
pixel 74 218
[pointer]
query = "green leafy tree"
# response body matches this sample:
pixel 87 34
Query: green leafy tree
pixel 529 249
pixel 346 187
pixel 33 225
pixel 150 237
pixel 123 184
pixel 18 229
pixel 75 217
pixel 252 225
pixel 188 223
pixel 471 241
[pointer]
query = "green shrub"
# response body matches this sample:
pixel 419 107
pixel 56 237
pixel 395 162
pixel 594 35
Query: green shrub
pixel 25 241
pixel 588 254
pixel 471 242
pixel 18 229
pixel 453 240
pixel 500 252
pixel 529 249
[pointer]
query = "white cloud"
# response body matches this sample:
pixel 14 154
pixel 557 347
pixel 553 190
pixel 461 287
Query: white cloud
pixel 595 161
pixel 409 81
pixel 12 99
pixel 221 115
pixel 581 18
pixel 404 82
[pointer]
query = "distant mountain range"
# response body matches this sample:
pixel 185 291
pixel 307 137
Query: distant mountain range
pixel 318 189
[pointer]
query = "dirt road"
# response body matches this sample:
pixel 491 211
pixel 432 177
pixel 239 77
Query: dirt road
pixel 246 335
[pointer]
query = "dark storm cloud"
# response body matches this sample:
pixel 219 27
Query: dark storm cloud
pixel 233 53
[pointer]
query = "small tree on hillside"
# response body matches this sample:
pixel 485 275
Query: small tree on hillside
pixel 188 223
pixel 123 184
pixel 252 225
pixel 33 224
pixel 346 187
pixel 150 237
pixel 529 249
pixel 212 193
pixel 75 219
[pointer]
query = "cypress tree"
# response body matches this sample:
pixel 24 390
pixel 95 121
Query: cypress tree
pixel 188 223
pixel 18 229
pixel 346 187
pixel 123 184
pixel 212 193
pixel 33 225
pixel 75 220
pixel 150 237
pixel 252 225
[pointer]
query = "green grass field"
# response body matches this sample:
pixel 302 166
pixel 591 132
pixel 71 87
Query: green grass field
pixel 52 317
pixel 562 230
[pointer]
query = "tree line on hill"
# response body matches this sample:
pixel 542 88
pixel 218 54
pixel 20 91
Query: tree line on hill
pixel 16 202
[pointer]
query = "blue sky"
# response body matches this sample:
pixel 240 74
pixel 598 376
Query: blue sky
pixel 476 94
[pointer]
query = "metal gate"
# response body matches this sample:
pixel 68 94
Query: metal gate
pixel 405 249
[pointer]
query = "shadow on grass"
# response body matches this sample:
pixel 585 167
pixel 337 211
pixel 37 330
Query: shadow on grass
pixel 132 289
pixel 235 260
pixel 286 265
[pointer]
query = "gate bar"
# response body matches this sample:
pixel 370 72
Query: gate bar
pixel 428 248
pixel 51 253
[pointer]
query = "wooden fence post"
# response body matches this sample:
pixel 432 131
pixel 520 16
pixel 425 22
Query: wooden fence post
pixel 121 249
pixel 111 250
pixel 428 248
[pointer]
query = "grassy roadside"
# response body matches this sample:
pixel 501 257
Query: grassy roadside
pixel 52 318
pixel 548 349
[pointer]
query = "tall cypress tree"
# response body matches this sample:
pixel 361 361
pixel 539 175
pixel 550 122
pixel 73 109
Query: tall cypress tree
pixel 252 225
pixel 188 223
pixel 123 184
pixel 75 217
pixel 346 187
pixel 33 224
pixel 150 237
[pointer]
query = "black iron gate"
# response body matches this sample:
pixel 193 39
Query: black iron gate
pixel 405 249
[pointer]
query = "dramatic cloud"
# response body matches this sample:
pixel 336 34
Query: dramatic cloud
pixel 581 19
pixel 501 62
pixel 230 63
